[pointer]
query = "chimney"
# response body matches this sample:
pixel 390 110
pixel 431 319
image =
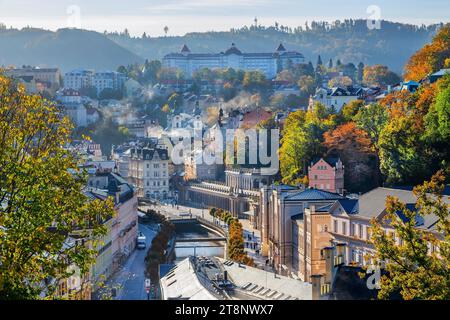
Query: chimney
pixel 316 280
pixel 328 256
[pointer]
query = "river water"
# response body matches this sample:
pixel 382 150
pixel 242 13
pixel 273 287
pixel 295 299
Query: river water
pixel 206 249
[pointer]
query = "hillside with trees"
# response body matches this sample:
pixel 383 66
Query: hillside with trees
pixel 66 48
pixel 402 140
pixel 348 40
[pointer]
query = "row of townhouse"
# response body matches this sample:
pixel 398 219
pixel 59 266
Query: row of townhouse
pixel 297 225
pixel 115 246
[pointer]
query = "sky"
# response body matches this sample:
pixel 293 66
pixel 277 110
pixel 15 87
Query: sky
pixel 183 16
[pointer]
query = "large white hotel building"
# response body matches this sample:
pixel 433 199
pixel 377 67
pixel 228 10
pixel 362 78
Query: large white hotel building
pixel 268 63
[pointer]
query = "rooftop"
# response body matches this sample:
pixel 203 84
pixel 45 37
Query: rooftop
pixel 313 194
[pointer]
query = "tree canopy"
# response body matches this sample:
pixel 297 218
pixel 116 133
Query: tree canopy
pixel 42 201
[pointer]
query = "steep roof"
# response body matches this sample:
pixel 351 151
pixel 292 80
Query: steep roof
pixel 233 50
pixel 281 47
pixel 313 194
pixel 185 49
pixel 349 205
pixel 332 161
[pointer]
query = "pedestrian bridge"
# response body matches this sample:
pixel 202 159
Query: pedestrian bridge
pixel 201 239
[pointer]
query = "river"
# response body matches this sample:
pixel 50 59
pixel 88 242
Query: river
pixel 207 248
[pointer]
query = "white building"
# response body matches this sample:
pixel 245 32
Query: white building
pixel 77 113
pixel 108 80
pixel 78 79
pixel 268 63
pixel 148 171
pixel 335 97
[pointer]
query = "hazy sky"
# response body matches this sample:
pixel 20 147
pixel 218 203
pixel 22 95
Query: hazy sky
pixel 183 16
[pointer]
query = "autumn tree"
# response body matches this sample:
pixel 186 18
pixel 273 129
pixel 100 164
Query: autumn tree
pixel 353 146
pixel 416 259
pixel 43 207
pixel 302 140
pixel 379 75
pixel 340 81
pixel 431 58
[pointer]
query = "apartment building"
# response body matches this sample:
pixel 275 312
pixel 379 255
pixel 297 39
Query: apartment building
pixel 148 171
pixel 79 79
pixel 43 78
pixel 284 216
pixel 122 229
pixel 351 226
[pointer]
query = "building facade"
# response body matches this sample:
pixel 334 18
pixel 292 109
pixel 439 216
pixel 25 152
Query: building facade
pixel 351 221
pixel 336 97
pixel 283 216
pixel 268 63
pixel 327 174
pixel 149 172
pixel 48 77
pixel 80 79
pixel 309 237
pixel 122 229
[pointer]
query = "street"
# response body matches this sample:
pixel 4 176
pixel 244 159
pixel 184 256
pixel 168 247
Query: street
pixel 130 280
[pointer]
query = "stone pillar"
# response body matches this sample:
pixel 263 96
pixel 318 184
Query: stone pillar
pixel 316 281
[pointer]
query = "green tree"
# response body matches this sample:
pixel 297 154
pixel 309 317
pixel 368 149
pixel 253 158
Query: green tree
pixel 302 140
pixel 42 199
pixel 372 119
pixel 412 269
pixel 438 118
pixel 403 158
pixel 350 110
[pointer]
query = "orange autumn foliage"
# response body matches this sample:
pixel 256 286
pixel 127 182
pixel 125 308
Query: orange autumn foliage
pixel 349 138
pixel 431 58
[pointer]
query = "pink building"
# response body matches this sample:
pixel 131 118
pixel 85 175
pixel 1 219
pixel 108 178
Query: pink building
pixel 327 175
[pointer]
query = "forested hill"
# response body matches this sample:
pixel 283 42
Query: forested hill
pixel 66 48
pixel 349 40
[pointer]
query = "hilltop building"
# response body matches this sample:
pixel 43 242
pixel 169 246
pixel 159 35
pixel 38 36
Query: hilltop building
pixel 336 97
pixel 269 63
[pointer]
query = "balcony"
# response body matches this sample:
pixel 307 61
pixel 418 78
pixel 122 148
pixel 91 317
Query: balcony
pixel 338 260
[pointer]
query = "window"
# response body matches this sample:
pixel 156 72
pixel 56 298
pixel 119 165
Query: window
pixel 352 229
pixel 344 228
pixel 361 231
